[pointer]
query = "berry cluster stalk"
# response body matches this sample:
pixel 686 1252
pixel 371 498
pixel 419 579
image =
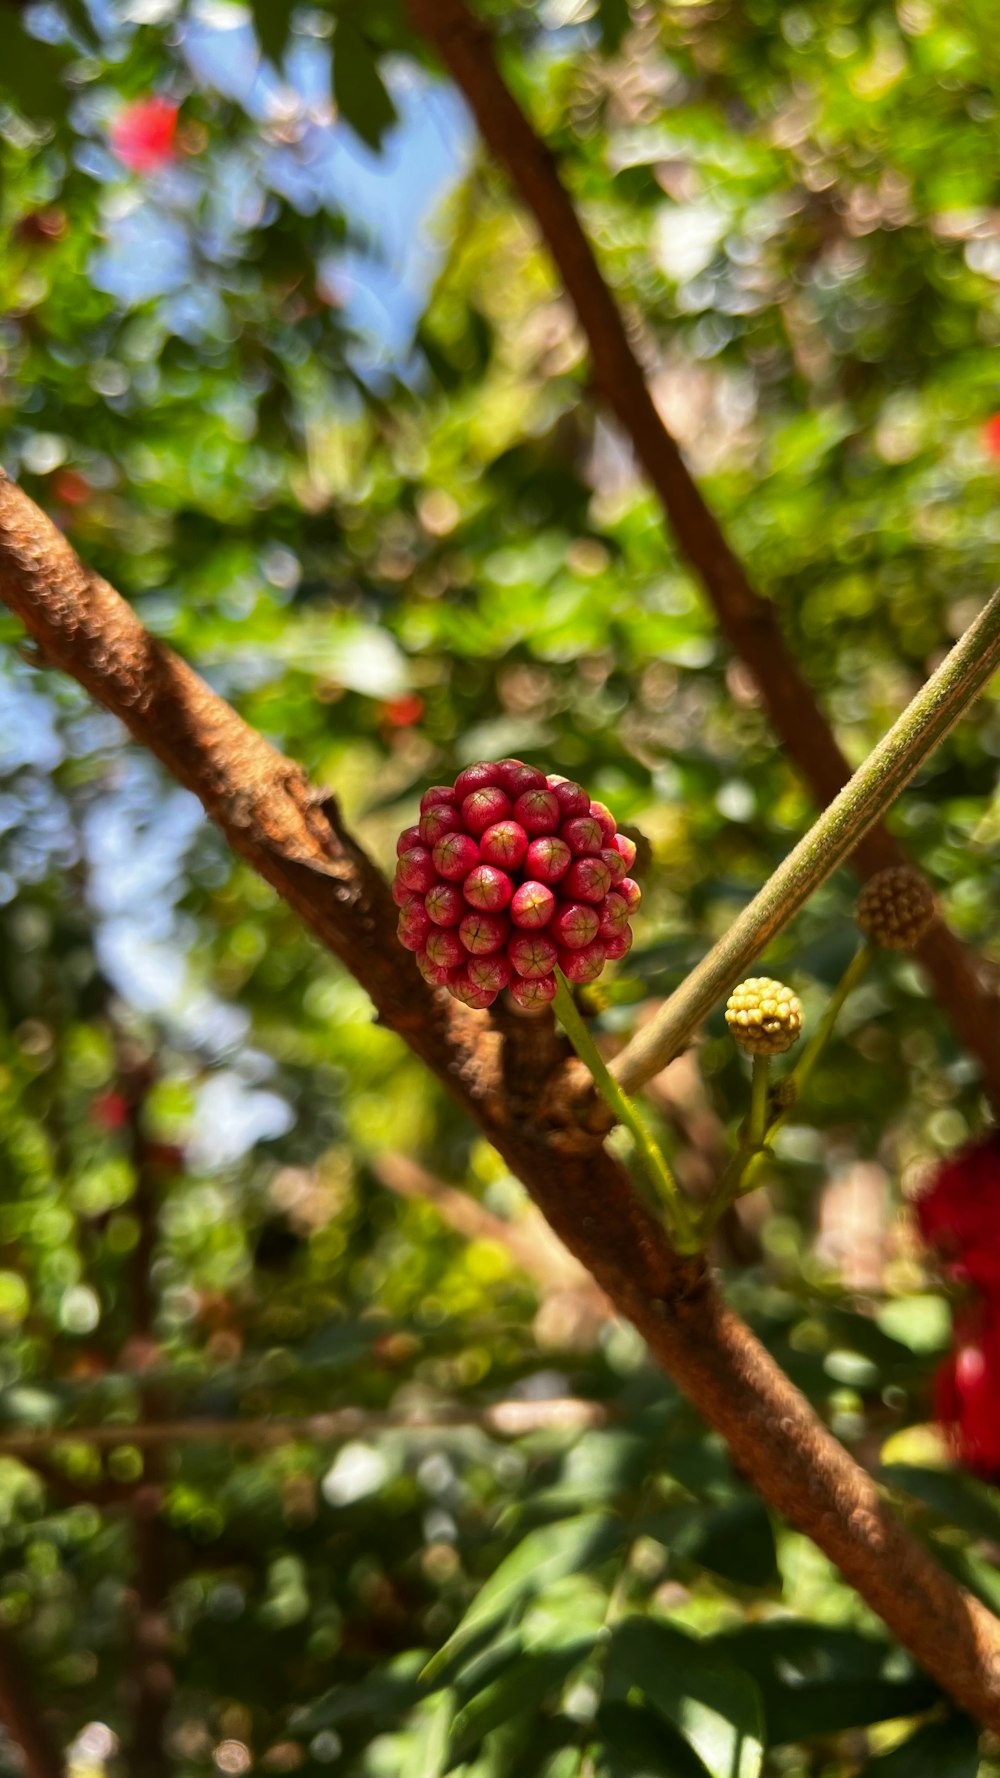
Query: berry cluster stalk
pixel 873 788
pixel 677 1213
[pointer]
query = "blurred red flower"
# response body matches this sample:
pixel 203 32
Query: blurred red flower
pixel 967 1391
pixel 991 436
pixel 142 134
pixel 110 1110
pixel 959 1213
pixel 402 712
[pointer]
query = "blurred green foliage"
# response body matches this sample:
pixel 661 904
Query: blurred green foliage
pixel 397 551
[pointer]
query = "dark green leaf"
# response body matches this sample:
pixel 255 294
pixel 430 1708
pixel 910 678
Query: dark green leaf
pixel 953 1497
pixel 938 1750
pixel 272 21
pixel 818 1681
pixel 734 1541
pixel 524 1686
pixel 695 1687
pixel 358 88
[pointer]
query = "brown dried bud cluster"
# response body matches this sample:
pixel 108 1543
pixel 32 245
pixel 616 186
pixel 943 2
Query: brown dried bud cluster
pixel 896 907
pixel 764 1016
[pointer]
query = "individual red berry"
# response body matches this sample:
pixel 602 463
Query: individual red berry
pixel 629 890
pixel 409 838
pixel 455 856
pixel 438 821
pixel 483 933
pixel 445 948
pixel 486 886
pixel 618 945
pixel 481 808
pixel 416 870
pixel 401 894
pixel 466 991
pixel 478 777
pixel 532 954
pixel 547 859
pixel 517 777
pixel 572 798
pixel 967 1390
pixel 505 843
pixel 584 965
pixel 615 862
pixel 489 973
pixel 614 915
pixel 413 926
pixel 533 905
pixel 437 797
pixel 534 991
pixel 625 849
pixel 445 904
pixel 583 836
pixel 588 879
pixel 575 925
pixel 433 974
pixel 605 821
pixel 537 811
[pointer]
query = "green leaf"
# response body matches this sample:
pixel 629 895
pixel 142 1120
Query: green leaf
pixel 524 1686
pixel 359 91
pixel 636 1743
pixel 938 1750
pixel 544 1556
pixel 32 73
pixel 693 1685
pixel 272 21
pixel 815 1680
pixel 735 1541
pixel 613 20
pixel 956 1498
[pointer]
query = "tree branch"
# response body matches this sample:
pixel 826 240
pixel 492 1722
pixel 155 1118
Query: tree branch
pixel 749 621
pixel 22 1720
pixel 913 736
pixel 505 1419
pixel 262 802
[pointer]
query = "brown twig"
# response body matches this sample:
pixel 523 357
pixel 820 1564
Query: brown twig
pixel 263 804
pixel 749 621
pixel 152 1677
pixel 505 1419
pixel 22 1720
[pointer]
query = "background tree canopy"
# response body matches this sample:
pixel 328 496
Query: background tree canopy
pixel 288 364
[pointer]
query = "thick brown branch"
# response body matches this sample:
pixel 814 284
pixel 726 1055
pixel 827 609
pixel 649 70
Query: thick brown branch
pixel 777 1440
pixel 749 621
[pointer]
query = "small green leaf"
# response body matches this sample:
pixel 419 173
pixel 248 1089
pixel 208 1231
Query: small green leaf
pixel 735 1541
pixel 544 1556
pixel 359 91
pixel 938 1750
pixel 955 1498
pixel 694 1686
pixel 524 1686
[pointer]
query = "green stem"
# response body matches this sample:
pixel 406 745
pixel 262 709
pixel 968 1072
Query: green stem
pixel 873 788
pixel 757 1130
pixel 738 1178
pixel 678 1212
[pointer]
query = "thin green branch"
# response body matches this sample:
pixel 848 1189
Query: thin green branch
pixel 677 1211
pixel 871 791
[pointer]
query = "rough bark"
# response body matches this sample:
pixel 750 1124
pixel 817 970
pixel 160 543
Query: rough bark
pixel 750 622
pixel 263 804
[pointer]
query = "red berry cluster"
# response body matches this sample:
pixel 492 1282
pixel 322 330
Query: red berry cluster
pixel 508 874
pixel 959 1215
